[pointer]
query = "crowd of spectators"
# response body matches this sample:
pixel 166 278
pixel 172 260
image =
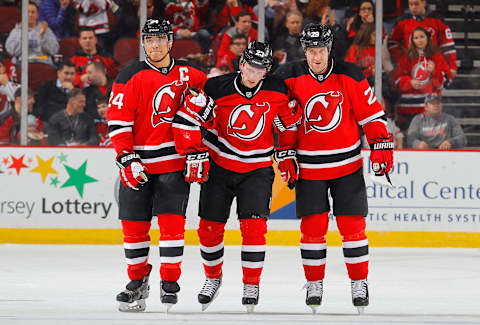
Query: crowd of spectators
pixel 418 56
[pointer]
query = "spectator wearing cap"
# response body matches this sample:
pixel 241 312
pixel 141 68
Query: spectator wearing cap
pixel 52 95
pixel 71 126
pixel 10 121
pixel 42 43
pixel 435 129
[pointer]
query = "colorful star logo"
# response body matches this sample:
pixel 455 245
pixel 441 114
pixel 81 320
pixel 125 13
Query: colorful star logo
pixel 44 168
pixel 78 178
pixel 17 163
pixel 5 161
pixel 62 157
pixel 54 181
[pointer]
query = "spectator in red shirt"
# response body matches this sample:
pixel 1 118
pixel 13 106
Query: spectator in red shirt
pixel 243 25
pixel 89 52
pixel 238 44
pixel 227 17
pixel 362 51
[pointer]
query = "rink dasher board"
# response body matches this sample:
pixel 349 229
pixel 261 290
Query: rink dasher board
pixel 66 195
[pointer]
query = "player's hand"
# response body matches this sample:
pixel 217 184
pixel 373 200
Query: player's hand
pixel 381 155
pixel 200 105
pixel 287 166
pixel 132 172
pixel 197 166
pixel 286 121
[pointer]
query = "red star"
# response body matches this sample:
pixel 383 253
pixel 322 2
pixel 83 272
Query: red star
pixel 17 164
pixel 5 161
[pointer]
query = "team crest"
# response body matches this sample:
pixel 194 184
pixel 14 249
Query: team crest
pixel 420 72
pixel 323 112
pixel 162 112
pixel 247 121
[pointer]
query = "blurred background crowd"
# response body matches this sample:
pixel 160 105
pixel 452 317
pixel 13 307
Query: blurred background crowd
pixel 77 47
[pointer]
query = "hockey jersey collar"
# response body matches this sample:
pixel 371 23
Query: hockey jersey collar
pixel 164 70
pixel 322 77
pixel 246 92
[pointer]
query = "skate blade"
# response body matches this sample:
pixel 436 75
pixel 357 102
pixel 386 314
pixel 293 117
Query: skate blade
pixel 134 307
pixel 250 308
pixel 360 310
pixel 314 309
pixel 168 307
pixel 205 306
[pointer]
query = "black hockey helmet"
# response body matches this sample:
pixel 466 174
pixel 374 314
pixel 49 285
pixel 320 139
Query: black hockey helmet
pixel 317 35
pixel 259 55
pixel 157 27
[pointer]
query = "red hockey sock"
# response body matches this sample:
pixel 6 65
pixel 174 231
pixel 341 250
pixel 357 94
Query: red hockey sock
pixel 313 246
pixel 253 248
pixel 210 234
pixel 172 229
pixel 136 244
pixel 355 245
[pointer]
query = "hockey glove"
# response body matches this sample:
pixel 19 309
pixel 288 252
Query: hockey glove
pixel 381 155
pixel 288 166
pixel 132 172
pixel 286 121
pixel 200 105
pixel 197 166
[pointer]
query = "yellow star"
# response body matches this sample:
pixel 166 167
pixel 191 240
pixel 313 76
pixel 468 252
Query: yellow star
pixel 44 168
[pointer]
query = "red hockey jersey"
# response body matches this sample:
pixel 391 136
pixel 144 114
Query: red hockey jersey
pixel 441 36
pixel 139 114
pixel 334 105
pixel 241 136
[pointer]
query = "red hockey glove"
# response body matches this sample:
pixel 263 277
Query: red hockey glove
pixel 286 121
pixel 197 167
pixel 287 166
pixel 132 172
pixel 381 155
pixel 200 105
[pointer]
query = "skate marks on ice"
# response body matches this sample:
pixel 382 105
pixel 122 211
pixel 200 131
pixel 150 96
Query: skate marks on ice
pixel 49 284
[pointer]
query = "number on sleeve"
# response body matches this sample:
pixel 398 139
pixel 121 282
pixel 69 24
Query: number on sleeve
pixel 116 100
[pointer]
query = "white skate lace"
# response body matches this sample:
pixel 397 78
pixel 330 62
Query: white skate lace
pixel 314 288
pixel 210 287
pixel 250 291
pixel 359 288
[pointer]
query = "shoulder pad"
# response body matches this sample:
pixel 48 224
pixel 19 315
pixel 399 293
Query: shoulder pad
pixel 292 70
pixel 348 69
pixel 131 69
pixel 274 83
pixel 220 86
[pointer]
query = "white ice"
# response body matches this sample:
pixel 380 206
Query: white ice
pixel 66 284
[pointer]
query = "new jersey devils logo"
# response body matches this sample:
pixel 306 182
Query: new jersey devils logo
pixel 247 121
pixel 420 72
pixel 162 112
pixel 323 112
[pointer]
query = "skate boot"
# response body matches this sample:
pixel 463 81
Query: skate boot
pixel 360 294
pixel 209 291
pixel 168 293
pixel 250 296
pixel 314 294
pixel 133 298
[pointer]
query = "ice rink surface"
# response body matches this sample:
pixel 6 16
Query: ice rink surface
pixel 50 284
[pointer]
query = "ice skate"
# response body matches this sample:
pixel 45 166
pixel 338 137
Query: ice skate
pixel 168 293
pixel 314 294
pixel 133 298
pixel 209 291
pixel 250 296
pixel 360 294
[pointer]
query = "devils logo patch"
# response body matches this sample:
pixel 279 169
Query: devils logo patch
pixel 323 112
pixel 247 121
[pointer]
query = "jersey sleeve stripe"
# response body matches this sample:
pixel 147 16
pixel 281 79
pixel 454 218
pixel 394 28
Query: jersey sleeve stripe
pixel 185 127
pixel 225 146
pixel 371 117
pixel 319 159
pixel 330 165
pixel 155 147
pixel 328 152
pixel 121 123
pixel 181 117
pixel 113 133
pixel 235 157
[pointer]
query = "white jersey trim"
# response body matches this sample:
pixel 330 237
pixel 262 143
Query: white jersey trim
pixel 252 265
pixel 143 244
pixel 211 249
pixel 155 147
pixel 122 130
pixel 172 243
pixel 214 262
pixel 356 260
pixel 137 260
pixel 235 158
pixel 254 248
pixel 313 247
pixel 314 262
pixel 171 259
pixel 355 244
pixel 371 118
pixel 118 122
pixel 159 159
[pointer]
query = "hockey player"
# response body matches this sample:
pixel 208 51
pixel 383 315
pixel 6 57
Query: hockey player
pixel 143 102
pixel 238 111
pixel 335 98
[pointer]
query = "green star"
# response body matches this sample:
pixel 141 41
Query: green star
pixel 78 178
pixel 54 181
pixel 62 158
